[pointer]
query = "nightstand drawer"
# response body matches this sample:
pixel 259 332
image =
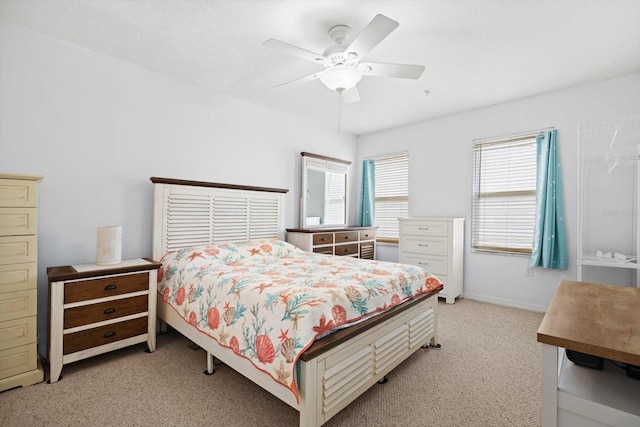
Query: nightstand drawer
pixel 323 239
pixel 18 249
pixel 17 332
pixel 346 249
pixel 101 335
pixel 108 310
pixel 347 236
pixel 432 245
pixel 15 305
pixel 84 290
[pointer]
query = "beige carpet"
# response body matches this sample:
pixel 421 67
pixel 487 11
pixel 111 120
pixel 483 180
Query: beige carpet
pixel 488 373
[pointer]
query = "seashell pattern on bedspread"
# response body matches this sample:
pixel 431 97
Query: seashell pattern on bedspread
pixel 268 301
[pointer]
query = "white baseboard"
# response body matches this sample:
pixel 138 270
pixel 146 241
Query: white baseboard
pixel 506 302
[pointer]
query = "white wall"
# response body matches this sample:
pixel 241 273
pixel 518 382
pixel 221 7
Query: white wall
pixel 98 128
pixel 440 176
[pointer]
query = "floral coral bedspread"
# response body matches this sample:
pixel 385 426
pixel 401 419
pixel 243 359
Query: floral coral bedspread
pixel 269 301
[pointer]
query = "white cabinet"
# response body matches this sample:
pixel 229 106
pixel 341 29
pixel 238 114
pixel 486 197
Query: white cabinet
pixel 437 245
pixel 19 364
pixel 609 201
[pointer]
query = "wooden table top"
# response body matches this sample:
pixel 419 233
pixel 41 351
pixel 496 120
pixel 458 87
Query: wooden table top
pixel 601 320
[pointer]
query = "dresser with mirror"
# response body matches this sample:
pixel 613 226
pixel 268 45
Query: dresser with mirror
pixel 324 211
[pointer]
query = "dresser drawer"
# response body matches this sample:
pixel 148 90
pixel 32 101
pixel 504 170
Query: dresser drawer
pixel 84 290
pixel 101 335
pixel 351 249
pixel 18 193
pixel 18 249
pixel 18 221
pixel 425 228
pixel 18 277
pixel 347 236
pixel 368 235
pixel 16 360
pixel 433 264
pixel 323 239
pixel 367 250
pixel 15 305
pixel 427 245
pixel 108 310
pixel 327 250
pixel 17 332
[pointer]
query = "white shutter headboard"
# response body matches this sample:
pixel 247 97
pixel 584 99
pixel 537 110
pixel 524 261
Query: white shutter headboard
pixel 189 213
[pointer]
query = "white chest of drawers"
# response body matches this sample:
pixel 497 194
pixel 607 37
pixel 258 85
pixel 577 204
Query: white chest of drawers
pixel 19 364
pixel 437 245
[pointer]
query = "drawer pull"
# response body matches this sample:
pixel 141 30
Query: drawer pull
pixel 420 244
pixel 423 228
pixel 110 310
pixel 110 287
pixel 109 334
pixel 323 239
pixel 423 263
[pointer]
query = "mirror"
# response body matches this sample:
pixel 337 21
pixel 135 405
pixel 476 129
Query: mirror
pixel 323 202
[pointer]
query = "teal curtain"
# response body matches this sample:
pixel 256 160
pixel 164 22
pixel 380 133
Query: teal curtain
pixel 367 194
pixel 550 237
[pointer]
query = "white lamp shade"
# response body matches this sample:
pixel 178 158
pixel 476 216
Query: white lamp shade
pixel 109 245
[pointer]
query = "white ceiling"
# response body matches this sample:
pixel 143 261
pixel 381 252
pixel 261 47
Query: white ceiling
pixel 476 53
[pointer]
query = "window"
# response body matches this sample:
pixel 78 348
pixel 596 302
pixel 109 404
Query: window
pixel 391 194
pixel 504 194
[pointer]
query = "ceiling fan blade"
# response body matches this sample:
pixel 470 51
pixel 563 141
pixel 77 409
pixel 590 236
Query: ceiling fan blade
pixel 350 96
pixel 403 71
pixel 376 31
pixel 294 50
pixel 304 79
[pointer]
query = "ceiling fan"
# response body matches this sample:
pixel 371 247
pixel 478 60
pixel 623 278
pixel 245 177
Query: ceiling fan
pixel 342 66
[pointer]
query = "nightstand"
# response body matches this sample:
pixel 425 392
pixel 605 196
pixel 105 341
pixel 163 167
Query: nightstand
pixel 95 309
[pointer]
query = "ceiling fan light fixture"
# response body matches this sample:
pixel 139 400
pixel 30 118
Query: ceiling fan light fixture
pixel 340 79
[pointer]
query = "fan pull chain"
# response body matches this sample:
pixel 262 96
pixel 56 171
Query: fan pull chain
pixel 340 114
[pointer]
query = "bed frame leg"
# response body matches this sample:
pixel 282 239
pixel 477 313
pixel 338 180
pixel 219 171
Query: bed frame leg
pixel 209 370
pixel 383 380
pixel 162 326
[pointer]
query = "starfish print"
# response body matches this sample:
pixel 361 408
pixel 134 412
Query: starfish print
pixel 195 255
pixel 283 335
pixel 262 287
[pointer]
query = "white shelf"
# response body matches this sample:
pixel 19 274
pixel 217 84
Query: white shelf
pixel 594 261
pixel 609 396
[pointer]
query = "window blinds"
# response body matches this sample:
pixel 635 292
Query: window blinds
pixel 504 195
pixel 391 193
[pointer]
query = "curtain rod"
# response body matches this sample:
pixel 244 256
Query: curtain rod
pixel 512 135
pixel 381 156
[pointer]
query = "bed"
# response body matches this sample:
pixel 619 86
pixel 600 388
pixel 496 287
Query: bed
pixel 314 330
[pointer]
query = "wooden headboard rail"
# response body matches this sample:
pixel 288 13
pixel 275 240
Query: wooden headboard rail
pixel 194 213
pixel 173 181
